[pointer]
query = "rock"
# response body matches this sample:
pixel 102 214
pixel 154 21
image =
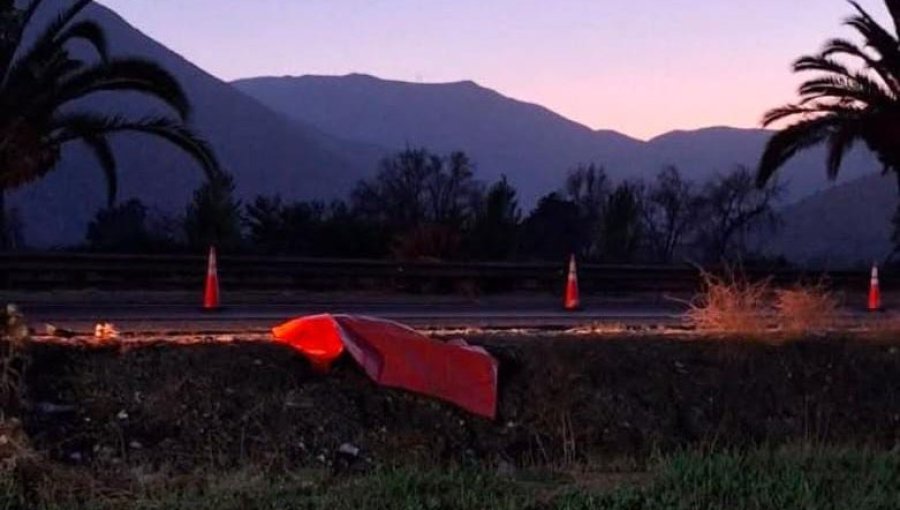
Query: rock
pixel 349 450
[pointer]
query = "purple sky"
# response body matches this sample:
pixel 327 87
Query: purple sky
pixel 641 67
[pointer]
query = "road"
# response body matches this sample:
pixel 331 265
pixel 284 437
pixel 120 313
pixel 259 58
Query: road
pixel 254 317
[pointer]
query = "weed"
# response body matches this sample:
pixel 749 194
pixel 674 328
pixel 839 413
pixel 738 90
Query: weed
pixel 730 304
pixel 14 338
pixel 805 309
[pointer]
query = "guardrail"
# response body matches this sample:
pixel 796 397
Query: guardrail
pixel 49 271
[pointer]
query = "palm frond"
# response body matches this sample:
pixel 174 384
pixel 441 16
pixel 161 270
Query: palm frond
pixel 45 41
pixel 77 126
pixel 889 75
pixel 782 112
pixel 858 87
pixel 45 45
pixel 877 38
pixel 820 63
pixel 839 143
pixel 89 32
pixel 30 11
pixel 784 144
pixel 131 74
pixel 807 110
pixel 99 145
pixel 53 29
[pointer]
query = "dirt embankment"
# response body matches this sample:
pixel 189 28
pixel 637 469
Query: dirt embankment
pixel 561 400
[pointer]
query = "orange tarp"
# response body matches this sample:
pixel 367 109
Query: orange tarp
pixel 396 356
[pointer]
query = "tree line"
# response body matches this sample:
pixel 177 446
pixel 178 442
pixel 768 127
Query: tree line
pixel 422 205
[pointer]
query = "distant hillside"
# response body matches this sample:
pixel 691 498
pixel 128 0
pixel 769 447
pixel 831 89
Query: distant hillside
pixel 532 145
pixel 848 225
pixel 266 152
pixel 529 143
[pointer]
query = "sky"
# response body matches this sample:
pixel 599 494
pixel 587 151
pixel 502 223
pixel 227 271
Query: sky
pixel 641 67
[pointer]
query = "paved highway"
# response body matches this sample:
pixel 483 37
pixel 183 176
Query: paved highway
pixel 179 317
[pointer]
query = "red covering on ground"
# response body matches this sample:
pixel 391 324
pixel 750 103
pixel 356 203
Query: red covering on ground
pixel 397 356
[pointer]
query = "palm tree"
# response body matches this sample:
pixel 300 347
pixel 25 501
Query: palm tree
pixel 855 96
pixel 41 83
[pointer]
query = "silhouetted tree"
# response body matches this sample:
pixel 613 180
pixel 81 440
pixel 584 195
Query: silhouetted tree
pixel 453 193
pixel 12 228
pixel 279 229
pixel 397 196
pixel 588 188
pixel 213 217
pixel 495 230
pixel 429 242
pixel 345 234
pixel 264 219
pixel 130 227
pixel 415 187
pixel 671 213
pixel 551 231
pixel 621 234
pixel 733 207
pixel 120 228
pixel 422 196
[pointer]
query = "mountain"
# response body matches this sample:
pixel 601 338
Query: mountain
pixel 847 225
pixel 532 145
pixel 265 151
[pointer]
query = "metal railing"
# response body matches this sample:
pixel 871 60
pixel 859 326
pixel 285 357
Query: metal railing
pixel 48 271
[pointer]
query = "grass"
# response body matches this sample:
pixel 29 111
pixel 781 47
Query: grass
pixel 784 479
pixel 777 480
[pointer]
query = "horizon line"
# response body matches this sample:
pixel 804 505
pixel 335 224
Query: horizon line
pixel 670 131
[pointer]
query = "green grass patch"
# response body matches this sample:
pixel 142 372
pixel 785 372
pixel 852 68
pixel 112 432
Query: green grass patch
pixel 781 480
pixel 777 480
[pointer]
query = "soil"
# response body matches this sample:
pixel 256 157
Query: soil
pixel 563 399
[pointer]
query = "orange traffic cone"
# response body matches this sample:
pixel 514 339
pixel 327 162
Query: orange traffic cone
pixel 572 301
pixel 874 291
pixel 211 294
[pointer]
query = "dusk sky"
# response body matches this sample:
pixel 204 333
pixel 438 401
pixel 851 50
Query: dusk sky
pixel 642 67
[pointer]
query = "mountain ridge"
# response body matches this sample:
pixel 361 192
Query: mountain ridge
pixel 394 113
